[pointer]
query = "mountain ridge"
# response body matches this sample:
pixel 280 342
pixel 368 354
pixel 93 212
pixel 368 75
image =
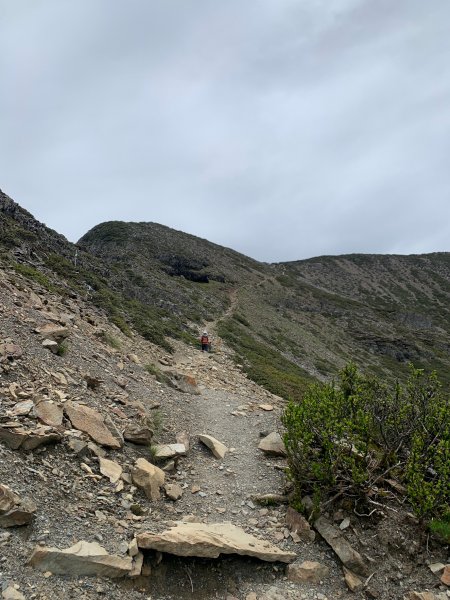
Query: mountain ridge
pixel 312 315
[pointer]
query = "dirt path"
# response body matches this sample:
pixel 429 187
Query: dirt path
pixel 229 408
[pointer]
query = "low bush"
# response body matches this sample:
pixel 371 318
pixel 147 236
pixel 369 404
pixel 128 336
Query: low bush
pixel 345 438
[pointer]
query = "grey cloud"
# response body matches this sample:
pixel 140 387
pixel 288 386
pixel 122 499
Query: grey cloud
pixel 281 129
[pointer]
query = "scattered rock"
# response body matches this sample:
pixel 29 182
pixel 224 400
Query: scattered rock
pixel 210 541
pixel 15 436
pixel 299 525
pixel 49 413
pixel 149 478
pixel 183 438
pixel 266 407
pixel 51 345
pixel 436 567
pixel 138 435
pixel 354 583
pixel 80 447
pixel 445 577
pixel 349 557
pixel 426 596
pixel 173 491
pixel 110 469
pixel 91 422
pixel 10 351
pixel 307 572
pixel 138 563
pixel 53 332
pixel 13 510
pixel 273 445
pixel 217 448
pixel 133 549
pixel 169 450
pixel 11 593
pixel 270 499
pixel 93 383
pixel 84 558
pixel 22 408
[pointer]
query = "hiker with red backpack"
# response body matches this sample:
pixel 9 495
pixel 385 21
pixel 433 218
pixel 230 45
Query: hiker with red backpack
pixel 204 341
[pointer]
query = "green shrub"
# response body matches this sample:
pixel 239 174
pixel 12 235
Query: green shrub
pixel 109 339
pixel 344 438
pixel 441 527
pixel 62 348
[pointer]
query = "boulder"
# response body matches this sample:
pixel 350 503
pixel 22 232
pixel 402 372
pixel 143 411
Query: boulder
pixel 210 540
pixel 149 478
pixel 84 558
pixel 91 422
pixel 349 557
pixel 13 510
pixel 307 572
pixel 217 448
pixel 110 469
pixel 15 436
pixel 273 445
pixel 50 413
pixel 53 332
pixel 50 345
pixel 173 491
pixel 10 351
pixel 137 434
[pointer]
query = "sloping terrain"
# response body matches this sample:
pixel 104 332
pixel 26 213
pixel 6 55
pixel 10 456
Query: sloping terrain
pixel 79 384
pixel 122 378
pixel 305 319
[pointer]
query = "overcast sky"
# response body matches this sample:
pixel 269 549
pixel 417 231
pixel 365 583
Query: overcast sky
pixel 284 129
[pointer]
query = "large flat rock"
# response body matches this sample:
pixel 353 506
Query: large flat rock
pixel 210 541
pixel 91 422
pixel 83 558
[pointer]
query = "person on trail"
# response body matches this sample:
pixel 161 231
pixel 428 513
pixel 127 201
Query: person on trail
pixel 204 340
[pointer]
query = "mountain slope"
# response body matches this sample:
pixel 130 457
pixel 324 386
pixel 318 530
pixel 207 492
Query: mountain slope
pixel 288 323
pixel 305 318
